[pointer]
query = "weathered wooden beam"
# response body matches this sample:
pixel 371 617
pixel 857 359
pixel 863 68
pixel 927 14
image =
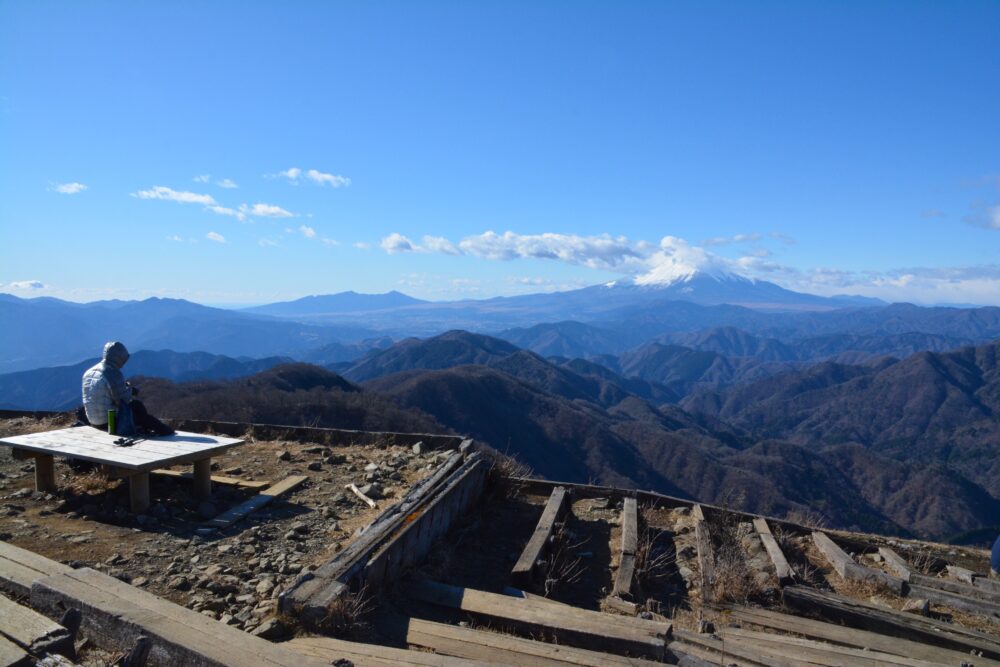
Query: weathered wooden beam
pixel 45 473
pixel 254 503
pixel 353 488
pixel 781 567
pixel 32 631
pixel 983 608
pixel 19 568
pixel 896 563
pixel 851 636
pixel 115 615
pixel 845 566
pixel 138 492
pixel 698 512
pixel 479 645
pixel 956 587
pixel 627 553
pixel 960 573
pixel 525 569
pixel 369 655
pixel 202 474
pixel 858 614
pixel 720 652
pixel 706 559
pixel 12 655
pixel 216 479
pixel 816 652
pixel 577 627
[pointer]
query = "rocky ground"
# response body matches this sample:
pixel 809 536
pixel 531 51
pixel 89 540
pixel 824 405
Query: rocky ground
pixel 233 575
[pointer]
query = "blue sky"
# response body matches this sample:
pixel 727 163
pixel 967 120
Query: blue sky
pixel 455 149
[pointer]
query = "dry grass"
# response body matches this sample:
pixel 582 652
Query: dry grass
pixel 346 614
pixel 561 567
pixel 93 481
pixel 655 557
pixel 808 518
pixel 503 473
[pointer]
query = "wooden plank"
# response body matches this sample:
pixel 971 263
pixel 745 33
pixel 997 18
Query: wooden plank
pixel 45 473
pixel 524 572
pixel 490 646
pixel 706 559
pixel 115 615
pixel 19 568
pixel 12 655
pixel 231 516
pixel 629 546
pixel 724 652
pixel 955 601
pixel 363 655
pixel 576 627
pixel 217 479
pixel 956 587
pixel 895 563
pixel 781 567
pixel 821 652
pixel 858 614
pixel 32 631
pixel 962 574
pixel 845 566
pixel 848 636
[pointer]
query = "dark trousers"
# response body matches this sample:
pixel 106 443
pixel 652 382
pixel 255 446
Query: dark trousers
pixel 145 422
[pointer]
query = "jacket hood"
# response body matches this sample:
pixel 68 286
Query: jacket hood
pixel 115 354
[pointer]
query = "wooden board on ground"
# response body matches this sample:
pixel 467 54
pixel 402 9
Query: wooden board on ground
pixel 19 568
pixel 845 566
pixel 895 563
pixel 819 652
pixel 12 655
pixel 781 567
pixel 937 596
pixel 480 645
pixel 365 655
pixel 848 636
pixel 32 631
pixel 576 627
pixel 86 443
pixel 956 587
pixel 115 615
pixel 706 559
pixel 525 569
pixel 718 651
pixel 627 552
pixel 253 504
pixel 857 614
pixel 218 479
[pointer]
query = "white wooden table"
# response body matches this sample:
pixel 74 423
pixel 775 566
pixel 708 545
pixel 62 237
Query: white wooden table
pixel 135 462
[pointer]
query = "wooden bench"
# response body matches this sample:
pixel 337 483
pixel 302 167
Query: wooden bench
pixel 134 461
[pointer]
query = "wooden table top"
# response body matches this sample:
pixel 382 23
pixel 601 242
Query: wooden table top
pixel 91 444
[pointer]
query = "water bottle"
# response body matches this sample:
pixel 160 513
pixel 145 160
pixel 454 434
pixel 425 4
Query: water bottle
pixel 112 421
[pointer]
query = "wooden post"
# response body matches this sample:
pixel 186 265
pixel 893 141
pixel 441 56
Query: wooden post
pixel 629 547
pixel 138 492
pixel 45 473
pixel 781 567
pixel 203 478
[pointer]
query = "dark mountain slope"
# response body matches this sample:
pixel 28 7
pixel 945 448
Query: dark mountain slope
pixel 453 348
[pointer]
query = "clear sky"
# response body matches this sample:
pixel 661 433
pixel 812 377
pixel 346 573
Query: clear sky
pixel 245 152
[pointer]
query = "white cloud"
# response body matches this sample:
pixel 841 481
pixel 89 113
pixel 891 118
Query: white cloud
pixel 169 194
pixel 332 180
pixel 440 244
pixel 596 252
pixel 265 211
pixel 203 178
pixel 307 231
pixel 727 240
pixel 397 243
pixel 330 242
pixel 70 188
pixel 175 239
pixel 227 183
pixel 27 285
pixel 215 236
pixel 231 212
pixel 265 243
pixel 362 245
pixel 293 175
pixel 676 259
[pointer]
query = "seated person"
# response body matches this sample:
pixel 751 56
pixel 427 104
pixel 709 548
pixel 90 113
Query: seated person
pixel 104 388
pixel 995 561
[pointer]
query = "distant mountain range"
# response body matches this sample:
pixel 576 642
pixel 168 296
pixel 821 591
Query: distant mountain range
pixel 905 446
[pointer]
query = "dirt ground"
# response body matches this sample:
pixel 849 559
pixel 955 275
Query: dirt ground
pixel 234 575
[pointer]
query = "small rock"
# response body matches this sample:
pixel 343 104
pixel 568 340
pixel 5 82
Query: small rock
pixel 265 587
pixel 284 455
pixel 179 584
pixel 235 470
pixel 704 627
pixel 271 629
pixel 418 448
pixel 314 466
pixel 917 606
pixel 371 467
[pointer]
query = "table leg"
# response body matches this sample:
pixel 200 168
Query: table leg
pixel 138 492
pixel 203 478
pixel 45 473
